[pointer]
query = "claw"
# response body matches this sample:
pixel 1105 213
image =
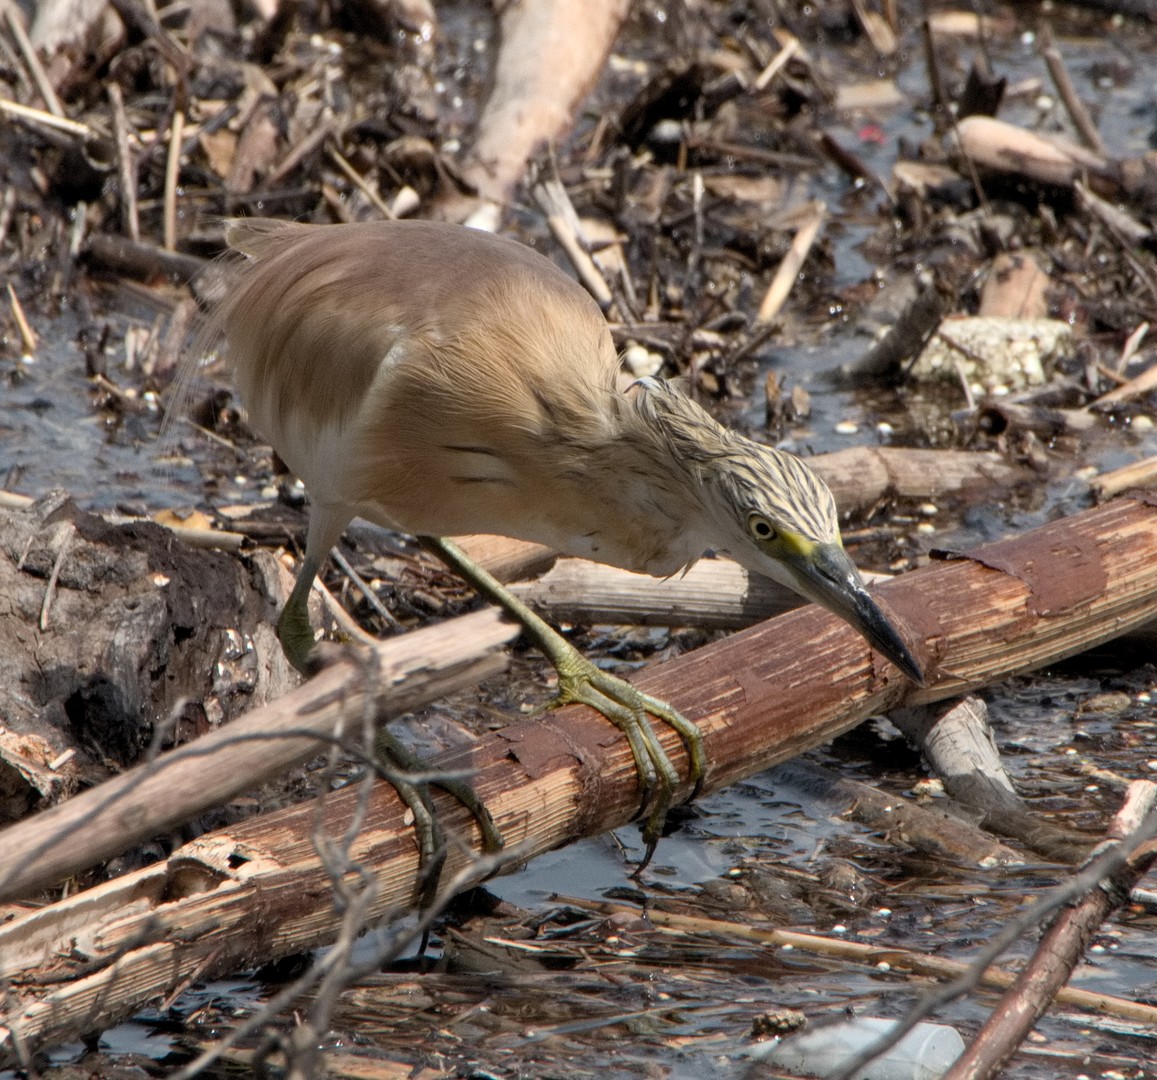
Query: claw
pixel 623 705
pixel 627 708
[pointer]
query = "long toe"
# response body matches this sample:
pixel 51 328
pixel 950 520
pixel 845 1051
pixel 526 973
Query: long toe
pixel 400 766
pixel 630 710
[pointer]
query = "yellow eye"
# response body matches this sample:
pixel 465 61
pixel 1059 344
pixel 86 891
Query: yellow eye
pixel 760 528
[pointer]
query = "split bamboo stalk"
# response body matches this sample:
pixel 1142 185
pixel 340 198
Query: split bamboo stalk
pixel 760 697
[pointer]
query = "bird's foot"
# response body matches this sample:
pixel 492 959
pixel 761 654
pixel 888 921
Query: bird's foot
pixel 581 681
pixel 297 641
pixel 408 774
pixel 301 646
pixel 628 708
pixel 412 778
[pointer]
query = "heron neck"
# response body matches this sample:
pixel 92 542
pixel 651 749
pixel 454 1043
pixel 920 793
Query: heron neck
pixel 654 512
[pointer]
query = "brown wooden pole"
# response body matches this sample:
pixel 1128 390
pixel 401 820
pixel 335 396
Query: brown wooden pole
pixel 760 697
pixel 770 692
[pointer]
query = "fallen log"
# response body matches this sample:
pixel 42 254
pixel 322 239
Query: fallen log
pixel 715 594
pixel 760 697
pixel 957 743
pixel 861 477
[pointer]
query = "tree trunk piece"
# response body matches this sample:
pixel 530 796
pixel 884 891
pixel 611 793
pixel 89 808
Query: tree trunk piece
pixel 959 746
pixel 550 55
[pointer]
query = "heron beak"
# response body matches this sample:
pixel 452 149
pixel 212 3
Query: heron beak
pixel 827 576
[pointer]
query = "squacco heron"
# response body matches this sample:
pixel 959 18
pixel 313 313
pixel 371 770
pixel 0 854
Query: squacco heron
pixel 440 381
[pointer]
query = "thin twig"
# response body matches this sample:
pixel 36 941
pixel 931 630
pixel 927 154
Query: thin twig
pixel 1132 344
pixel 172 172
pixel 141 16
pixel 15 22
pixel 362 184
pixel 1082 121
pixel 562 219
pixel 932 63
pixel 781 284
pixel 38 116
pixel 346 624
pixel 1137 387
pixel 363 587
pixel 126 164
pixel 1120 226
pixel 27 337
pixel 778 63
pixel 298 153
pixel 7 208
pixel 50 588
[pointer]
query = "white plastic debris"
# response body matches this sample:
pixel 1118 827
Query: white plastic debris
pixel 925 1053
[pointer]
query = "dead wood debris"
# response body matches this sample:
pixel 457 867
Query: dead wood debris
pixel 136 616
pixel 687 187
pixel 1065 942
pixel 301 117
pixel 549 781
pixel 959 745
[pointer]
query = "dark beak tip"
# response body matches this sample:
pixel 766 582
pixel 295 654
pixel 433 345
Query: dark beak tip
pixel 843 592
pixel 882 633
pixel 914 673
pixel 902 657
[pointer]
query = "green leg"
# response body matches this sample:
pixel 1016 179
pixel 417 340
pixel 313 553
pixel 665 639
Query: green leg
pixel 293 629
pixel 583 682
pixel 394 760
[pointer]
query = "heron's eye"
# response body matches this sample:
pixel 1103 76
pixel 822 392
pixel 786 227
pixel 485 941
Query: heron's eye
pixel 761 528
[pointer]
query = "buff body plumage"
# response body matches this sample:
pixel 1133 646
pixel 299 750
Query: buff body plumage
pixel 443 381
